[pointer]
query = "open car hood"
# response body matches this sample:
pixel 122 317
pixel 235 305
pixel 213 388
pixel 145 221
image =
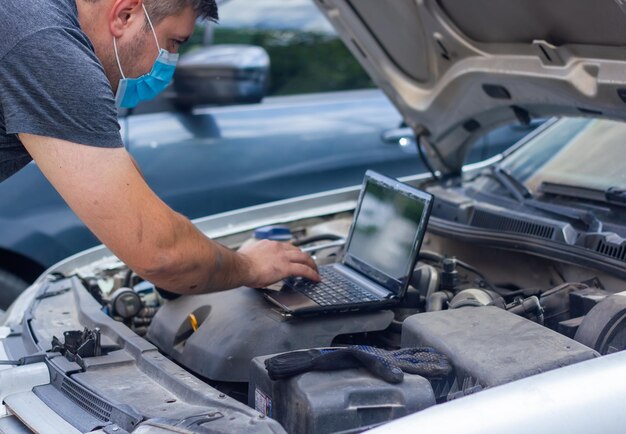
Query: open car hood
pixel 457 68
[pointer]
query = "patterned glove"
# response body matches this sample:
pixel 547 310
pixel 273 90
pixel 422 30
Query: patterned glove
pixel 388 365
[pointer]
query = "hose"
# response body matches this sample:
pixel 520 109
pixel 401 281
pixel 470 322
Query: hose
pixel 316 238
pixel 436 301
pixel 531 305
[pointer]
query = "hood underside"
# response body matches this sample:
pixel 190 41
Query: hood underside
pixel 458 68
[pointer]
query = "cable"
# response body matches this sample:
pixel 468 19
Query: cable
pixel 436 257
pixel 436 151
pixel 420 151
pixel 316 238
pixel 472 269
pixel 10 362
pixel 128 278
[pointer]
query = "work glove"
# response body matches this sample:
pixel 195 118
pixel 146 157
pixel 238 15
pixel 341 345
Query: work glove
pixel 387 365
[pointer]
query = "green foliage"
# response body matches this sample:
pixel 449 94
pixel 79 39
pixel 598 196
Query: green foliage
pixel 195 40
pixel 301 62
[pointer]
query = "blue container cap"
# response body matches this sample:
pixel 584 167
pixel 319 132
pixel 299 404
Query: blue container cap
pixel 274 233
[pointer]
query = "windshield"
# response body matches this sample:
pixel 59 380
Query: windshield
pixel 586 153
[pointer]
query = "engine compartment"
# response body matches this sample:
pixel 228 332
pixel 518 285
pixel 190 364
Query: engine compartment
pixel 498 314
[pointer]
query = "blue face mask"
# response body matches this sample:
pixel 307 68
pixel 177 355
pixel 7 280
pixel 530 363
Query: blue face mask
pixel 131 91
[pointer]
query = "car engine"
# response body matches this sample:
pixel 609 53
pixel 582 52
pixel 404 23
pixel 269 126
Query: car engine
pixel 498 315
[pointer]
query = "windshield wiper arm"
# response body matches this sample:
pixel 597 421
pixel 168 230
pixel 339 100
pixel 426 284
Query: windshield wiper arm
pixel 514 186
pixel 615 195
pixel 588 218
pixel 524 196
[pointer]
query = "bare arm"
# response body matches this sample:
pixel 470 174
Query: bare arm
pixel 106 191
pixel 132 159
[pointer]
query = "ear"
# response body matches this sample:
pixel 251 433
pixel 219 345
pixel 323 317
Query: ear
pixel 123 14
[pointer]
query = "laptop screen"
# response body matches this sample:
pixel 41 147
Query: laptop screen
pixel 387 231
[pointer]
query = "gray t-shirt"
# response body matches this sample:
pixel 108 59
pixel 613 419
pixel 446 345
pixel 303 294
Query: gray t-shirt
pixel 51 82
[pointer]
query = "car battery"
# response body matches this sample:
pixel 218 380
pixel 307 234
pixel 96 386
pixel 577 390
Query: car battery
pixel 331 401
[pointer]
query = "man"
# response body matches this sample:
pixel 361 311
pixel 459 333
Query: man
pixel 61 63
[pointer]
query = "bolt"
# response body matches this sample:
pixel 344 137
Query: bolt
pixel 261 416
pixel 221 395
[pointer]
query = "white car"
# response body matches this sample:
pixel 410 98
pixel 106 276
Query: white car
pixel 520 283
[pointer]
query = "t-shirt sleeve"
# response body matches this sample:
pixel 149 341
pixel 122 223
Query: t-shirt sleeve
pixel 52 84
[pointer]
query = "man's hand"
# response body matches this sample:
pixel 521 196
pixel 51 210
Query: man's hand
pixel 271 261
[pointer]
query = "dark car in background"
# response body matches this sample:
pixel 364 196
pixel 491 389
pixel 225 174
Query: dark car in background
pixel 208 146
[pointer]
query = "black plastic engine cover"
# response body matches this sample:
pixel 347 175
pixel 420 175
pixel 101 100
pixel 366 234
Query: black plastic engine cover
pixel 237 325
pixel 489 346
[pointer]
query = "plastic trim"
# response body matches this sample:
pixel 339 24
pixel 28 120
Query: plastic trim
pixel 38 416
pixel 21 379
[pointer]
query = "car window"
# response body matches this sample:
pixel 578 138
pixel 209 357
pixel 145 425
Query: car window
pixel 576 152
pixel 306 54
pixel 500 139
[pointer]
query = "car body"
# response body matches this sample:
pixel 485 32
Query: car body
pixel 63 300
pixel 520 281
pixel 306 136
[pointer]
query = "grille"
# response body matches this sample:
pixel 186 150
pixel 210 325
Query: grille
pixel 611 250
pixel 488 220
pixel 87 400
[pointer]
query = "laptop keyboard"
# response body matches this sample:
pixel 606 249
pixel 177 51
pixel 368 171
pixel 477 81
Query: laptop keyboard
pixel 333 289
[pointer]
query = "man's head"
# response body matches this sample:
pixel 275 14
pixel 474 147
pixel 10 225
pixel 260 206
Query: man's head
pixel 126 22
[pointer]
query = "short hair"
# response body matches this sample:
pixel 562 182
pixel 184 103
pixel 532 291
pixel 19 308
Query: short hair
pixel 161 9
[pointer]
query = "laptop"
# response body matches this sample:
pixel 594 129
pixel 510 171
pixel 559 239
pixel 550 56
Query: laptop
pixel 378 259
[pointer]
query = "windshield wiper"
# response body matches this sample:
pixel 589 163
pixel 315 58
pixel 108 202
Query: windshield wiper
pixel 525 197
pixel 612 195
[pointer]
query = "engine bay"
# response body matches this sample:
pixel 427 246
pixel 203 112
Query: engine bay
pixel 497 314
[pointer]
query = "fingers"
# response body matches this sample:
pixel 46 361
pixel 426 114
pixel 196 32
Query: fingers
pixel 305 271
pixel 297 256
pixel 302 258
pixel 273 261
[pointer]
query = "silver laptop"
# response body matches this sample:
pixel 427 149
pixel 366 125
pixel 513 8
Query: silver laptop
pixel 380 254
